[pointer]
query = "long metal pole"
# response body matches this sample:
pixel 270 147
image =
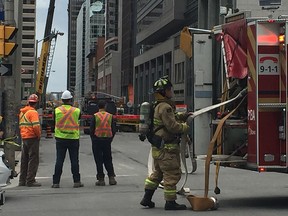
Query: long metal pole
pixel 200 30
pixel 35 67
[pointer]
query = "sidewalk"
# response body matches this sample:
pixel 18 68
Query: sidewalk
pixel 14 182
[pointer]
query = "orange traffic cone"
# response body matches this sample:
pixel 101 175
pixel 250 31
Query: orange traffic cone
pixel 48 132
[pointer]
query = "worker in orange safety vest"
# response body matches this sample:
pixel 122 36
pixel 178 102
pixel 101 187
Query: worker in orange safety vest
pixel 30 131
pixel 102 131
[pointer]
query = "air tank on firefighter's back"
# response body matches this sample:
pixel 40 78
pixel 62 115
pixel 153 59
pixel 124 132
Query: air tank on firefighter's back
pixel 145 120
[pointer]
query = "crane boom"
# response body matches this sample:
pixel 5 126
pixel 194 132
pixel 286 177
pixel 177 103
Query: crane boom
pixel 41 70
pixel 40 81
pixel 49 19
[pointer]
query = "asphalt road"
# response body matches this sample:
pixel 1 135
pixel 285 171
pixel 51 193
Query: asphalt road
pixel 242 192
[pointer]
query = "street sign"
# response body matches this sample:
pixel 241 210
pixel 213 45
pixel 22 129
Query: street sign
pixel 270 2
pixel 6 70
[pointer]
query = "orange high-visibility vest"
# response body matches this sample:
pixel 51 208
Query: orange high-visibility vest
pixel 103 124
pixel 29 124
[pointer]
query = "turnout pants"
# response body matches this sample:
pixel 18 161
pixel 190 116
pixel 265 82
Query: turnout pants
pixel 168 168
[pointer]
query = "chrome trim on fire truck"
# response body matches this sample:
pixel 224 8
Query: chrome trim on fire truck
pixel 272 105
pixel 255 167
pixel 269 157
pixel 283 158
pixel 273 167
pixel 224 158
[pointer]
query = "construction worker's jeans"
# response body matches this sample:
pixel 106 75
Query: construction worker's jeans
pixel 62 145
pixel 29 160
pixel 102 155
pixel 168 168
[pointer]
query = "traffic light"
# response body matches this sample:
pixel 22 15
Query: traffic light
pixel 186 42
pixel 7 33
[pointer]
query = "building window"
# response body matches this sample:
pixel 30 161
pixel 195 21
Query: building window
pixel 27 63
pixel 29 28
pixel 28 37
pixel 28 10
pixel 28 54
pixel 27 45
pixel 28 19
pixel 179 72
pixel 28 1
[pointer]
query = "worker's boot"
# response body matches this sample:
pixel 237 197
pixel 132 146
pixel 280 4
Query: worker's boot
pixel 146 201
pixel 78 185
pixel 112 180
pixel 172 205
pixel 100 182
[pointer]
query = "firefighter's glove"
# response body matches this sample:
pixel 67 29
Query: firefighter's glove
pixel 189 120
pixel 182 116
pixel 189 114
pixel 185 128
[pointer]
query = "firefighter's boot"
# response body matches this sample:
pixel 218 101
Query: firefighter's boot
pixel 172 205
pixel 146 201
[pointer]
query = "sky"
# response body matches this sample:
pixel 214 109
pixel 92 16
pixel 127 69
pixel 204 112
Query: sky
pixel 58 79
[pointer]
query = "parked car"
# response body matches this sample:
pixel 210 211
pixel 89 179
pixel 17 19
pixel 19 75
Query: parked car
pixel 5 175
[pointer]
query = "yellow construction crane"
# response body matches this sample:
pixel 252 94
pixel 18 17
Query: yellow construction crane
pixel 43 67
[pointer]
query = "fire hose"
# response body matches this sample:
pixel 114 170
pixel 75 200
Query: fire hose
pixel 205 203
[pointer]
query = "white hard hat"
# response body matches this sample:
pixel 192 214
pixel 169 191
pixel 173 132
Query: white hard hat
pixel 66 95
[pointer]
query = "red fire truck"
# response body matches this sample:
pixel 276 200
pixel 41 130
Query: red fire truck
pixel 255 57
pixel 250 131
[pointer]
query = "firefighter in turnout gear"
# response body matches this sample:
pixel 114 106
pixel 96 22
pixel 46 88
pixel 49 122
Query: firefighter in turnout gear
pixel 30 131
pixel 67 136
pixel 102 131
pixel 167 155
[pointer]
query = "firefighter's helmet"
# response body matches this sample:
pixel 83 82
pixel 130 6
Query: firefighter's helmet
pixel 66 95
pixel 33 98
pixel 161 85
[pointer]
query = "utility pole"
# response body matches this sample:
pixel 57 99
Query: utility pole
pixel 12 84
